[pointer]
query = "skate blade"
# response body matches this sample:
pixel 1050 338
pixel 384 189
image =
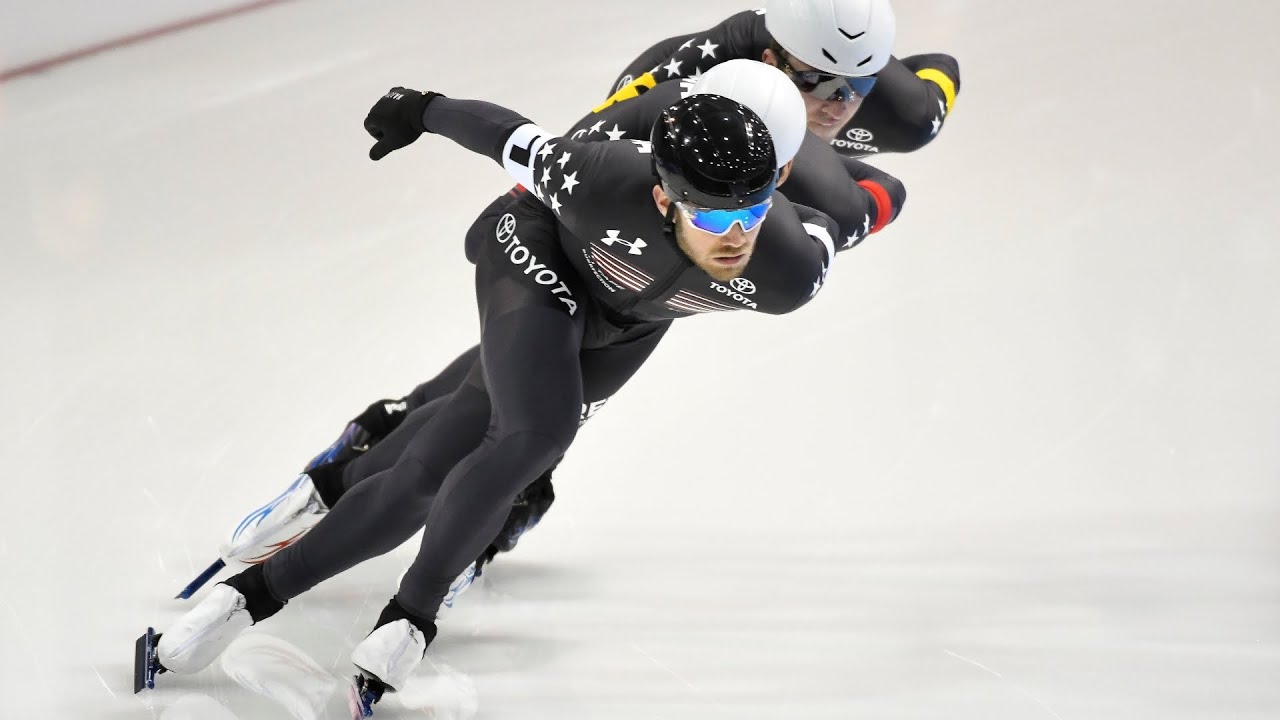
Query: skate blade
pixel 201 579
pixel 145 664
pixel 362 694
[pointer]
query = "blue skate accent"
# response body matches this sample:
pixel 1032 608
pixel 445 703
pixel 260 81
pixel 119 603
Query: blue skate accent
pixel 362 695
pixel 459 584
pixel 265 510
pixel 344 442
pixel 200 580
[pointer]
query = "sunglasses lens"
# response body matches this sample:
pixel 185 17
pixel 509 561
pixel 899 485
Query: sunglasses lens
pixel 718 222
pixel 861 86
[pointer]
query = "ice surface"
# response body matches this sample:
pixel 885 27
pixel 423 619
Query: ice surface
pixel 1020 460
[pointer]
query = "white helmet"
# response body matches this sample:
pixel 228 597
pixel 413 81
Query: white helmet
pixel 767 92
pixel 841 37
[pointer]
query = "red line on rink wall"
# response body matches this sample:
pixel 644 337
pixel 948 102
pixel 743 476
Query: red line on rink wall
pixel 40 66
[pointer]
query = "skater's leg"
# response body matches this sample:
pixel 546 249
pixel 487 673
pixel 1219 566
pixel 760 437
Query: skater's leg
pixel 383 455
pixel 604 371
pixel 445 383
pixel 378 514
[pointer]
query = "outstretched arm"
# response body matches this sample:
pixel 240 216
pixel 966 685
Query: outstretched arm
pixel 909 105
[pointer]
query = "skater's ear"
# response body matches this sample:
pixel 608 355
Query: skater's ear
pixel 784 172
pixel 661 200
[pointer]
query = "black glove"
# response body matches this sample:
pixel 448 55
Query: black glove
pixel 396 120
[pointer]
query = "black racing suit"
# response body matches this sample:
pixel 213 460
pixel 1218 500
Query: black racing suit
pixel 584 260
pixel 904 112
pixel 906 109
pixel 860 198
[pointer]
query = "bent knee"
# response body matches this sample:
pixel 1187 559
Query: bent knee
pixel 542 446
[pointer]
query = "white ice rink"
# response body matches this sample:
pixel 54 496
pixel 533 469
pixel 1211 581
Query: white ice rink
pixel 1019 461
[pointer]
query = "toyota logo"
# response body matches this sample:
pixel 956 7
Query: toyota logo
pixel 859 135
pixel 506 228
pixel 743 285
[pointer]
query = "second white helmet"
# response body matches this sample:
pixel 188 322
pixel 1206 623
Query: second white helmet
pixel 841 37
pixel 767 92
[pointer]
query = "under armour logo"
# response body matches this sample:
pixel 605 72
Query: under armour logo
pixel 634 248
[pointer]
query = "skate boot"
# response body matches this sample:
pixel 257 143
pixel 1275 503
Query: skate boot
pixel 366 429
pixel 276 525
pixel 206 630
pixel 388 657
pixel 201 635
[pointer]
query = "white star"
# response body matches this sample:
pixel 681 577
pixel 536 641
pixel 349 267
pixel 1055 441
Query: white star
pixel 673 69
pixel 570 180
pixel 866 224
pixel 937 125
pixel 563 160
pixel 615 133
pixel 851 240
pixel 546 174
pixel 555 204
pixel 697 73
pixel 817 285
pixel 707 48
pixel 942 108
pixel 546 150
pixel 596 128
pixel 686 44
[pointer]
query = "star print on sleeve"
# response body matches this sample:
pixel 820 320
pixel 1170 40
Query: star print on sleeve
pixel 686 44
pixel 555 204
pixel 563 160
pixel 616 133
pixel 937 119
pixel 673 68
pixel 853 239
pixel 596 128
pixel 708 48
pixel 546 150
pixel 570 180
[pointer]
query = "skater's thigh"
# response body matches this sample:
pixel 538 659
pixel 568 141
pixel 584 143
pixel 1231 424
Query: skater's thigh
pixel 532 316
pixel 385 453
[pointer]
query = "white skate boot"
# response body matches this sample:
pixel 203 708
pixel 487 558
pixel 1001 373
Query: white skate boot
pixel 204 632
pixel 276 525
pixel 386 660
pixel 391 653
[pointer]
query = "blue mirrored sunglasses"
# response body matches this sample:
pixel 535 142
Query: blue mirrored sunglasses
pixel 718 222
pixel 826 86
pixel 840 87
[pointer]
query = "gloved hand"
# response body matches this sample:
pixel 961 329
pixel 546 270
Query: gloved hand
pixel 396 120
